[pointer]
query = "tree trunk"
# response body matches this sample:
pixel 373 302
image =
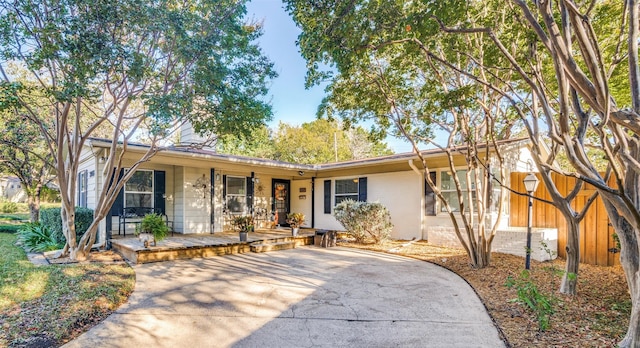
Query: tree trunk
pixel 34 204
pixel 570 278
pixel 629 259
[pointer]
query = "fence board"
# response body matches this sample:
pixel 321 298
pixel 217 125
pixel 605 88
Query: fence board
pixel 595 232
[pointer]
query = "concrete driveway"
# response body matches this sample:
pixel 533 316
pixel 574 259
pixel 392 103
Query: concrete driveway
pixel 306 297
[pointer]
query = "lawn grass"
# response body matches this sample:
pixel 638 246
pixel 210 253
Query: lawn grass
pixel 48 305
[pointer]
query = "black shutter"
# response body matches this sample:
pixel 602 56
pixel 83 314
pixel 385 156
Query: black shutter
pixel 118 204
pixel 327 196
pixel 159 190
pixel 430 196
pixel 224 191
pixel 250 194
pixel 362 189
pixel 212 197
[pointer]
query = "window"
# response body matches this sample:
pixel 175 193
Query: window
pixel 448 189
pixel 138 191
pixel 236 189
pixel 82 189
pixel 346 189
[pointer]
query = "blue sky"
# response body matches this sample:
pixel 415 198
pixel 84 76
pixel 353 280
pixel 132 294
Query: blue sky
pixel 291 102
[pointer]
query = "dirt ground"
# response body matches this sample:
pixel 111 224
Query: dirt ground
pixel 106 256
pixel 596 317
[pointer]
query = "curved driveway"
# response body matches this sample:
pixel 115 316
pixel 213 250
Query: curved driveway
pixel 306 297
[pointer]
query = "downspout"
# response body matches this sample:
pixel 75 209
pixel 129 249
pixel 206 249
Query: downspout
pixel 422 203
pixel 313 202
pixel 415 169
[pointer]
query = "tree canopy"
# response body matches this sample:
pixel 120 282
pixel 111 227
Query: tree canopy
pixel 133 68
pixel 320 141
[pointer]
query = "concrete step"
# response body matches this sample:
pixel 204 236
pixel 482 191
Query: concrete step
pixel 264 247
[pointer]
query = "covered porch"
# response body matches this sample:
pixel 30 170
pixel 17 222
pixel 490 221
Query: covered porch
pixel 187 246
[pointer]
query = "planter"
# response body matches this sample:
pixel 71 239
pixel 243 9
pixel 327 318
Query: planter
pixel 146 239
pixel 243 236
pixel 294 231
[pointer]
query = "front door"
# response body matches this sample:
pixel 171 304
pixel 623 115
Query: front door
pixel 281 196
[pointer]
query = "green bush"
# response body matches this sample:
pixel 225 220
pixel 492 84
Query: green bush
pixel 8 207
pixel 51 218
pixel 38 238
pixel 364 219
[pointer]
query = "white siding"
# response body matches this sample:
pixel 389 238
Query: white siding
pixel 178 219
pixel 197 209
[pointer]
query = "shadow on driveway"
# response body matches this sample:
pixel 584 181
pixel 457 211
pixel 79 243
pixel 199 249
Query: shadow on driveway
pixel 305 297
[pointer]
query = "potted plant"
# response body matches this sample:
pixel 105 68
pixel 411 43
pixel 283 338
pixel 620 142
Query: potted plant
pixel 242 224
pixel 151 228
pixel 295 220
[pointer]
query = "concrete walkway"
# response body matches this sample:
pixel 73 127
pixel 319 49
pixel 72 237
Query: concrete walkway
pixel 306 297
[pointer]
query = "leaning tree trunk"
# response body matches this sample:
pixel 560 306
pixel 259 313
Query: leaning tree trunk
pixel 570 277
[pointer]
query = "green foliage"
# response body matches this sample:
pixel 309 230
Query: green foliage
pixel 52 218
pixel 154 224
pixel 364 219
pixel 311 143
pixel 295 219
pixel 539 303
pixel 9 207
pixel 242 223
pixel 38 238
pixel 10 228
pixel 49 195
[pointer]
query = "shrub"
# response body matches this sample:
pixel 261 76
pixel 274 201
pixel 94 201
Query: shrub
pixel 364 219
pixel 9 207
pixel 51 218
pixel 38 238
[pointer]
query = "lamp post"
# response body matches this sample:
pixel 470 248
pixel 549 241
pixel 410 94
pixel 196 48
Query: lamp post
pixel 530 184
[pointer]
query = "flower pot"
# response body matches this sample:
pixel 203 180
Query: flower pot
pixel 146 239
pixel 243 236
pixel 294 231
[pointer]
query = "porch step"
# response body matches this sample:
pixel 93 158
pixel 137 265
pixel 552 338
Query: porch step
pixel 264 247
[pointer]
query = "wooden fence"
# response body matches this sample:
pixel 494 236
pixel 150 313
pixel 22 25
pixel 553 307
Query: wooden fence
pixel 596 235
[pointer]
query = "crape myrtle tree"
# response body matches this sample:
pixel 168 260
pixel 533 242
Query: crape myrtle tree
pixel 515 46
pixel 588 63
pixel 382 73
pixel 138 68
pixel 592 49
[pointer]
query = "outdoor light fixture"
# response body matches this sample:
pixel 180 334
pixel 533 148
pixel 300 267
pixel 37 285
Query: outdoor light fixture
pixel 530 184
pixel 301 173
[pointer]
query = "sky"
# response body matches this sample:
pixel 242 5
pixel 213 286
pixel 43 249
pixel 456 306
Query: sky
pixel 291 102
